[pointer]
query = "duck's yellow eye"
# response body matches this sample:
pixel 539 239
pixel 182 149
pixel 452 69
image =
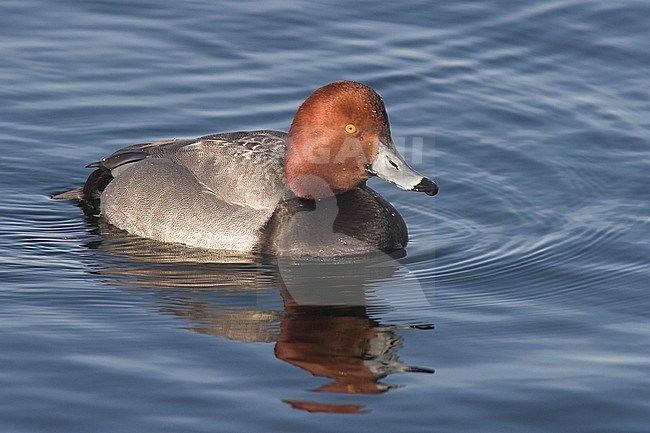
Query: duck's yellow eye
pixel 350 128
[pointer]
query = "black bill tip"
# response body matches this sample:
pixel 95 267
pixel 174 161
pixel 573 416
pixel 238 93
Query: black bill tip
pixel 426 186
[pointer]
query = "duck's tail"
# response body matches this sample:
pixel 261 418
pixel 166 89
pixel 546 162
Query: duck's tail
pixel 75 194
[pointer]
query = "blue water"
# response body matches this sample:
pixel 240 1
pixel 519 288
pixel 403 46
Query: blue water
pixel 525 286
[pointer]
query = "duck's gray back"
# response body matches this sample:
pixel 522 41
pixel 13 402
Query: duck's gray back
pixel 244 168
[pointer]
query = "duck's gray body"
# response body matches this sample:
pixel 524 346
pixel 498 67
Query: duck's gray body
pixel 228 191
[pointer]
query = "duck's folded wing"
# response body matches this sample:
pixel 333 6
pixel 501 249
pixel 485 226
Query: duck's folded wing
pixel 245 168
pixel 240 167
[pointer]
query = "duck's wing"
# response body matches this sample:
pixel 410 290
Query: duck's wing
pixel 243 167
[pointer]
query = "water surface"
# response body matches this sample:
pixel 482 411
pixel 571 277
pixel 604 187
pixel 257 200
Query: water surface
pixel 521 305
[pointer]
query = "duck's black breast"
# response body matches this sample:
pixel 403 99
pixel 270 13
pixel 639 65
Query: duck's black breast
pixel 359 221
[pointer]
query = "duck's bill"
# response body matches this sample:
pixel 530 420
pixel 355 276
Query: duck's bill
pixel 390 166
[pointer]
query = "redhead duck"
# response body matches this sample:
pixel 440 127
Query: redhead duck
pixel 298 193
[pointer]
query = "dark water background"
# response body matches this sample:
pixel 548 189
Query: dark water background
pixel 526 285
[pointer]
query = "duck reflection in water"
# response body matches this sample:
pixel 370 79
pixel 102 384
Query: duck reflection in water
pixel 322 322
pixel 342 344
